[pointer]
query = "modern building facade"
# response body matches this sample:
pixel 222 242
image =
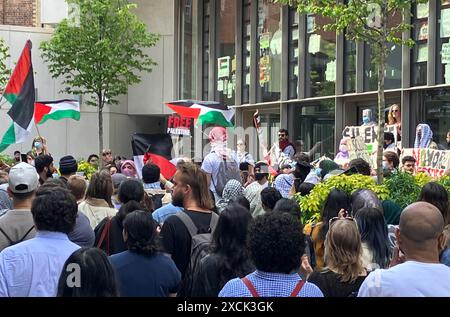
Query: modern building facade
pixel 253 54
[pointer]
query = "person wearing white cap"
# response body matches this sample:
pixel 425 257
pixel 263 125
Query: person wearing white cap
pixel 17 224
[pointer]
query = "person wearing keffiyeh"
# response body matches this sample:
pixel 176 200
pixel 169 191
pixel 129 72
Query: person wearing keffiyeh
pixel 283 183
pixel 233 189
pixel 424 137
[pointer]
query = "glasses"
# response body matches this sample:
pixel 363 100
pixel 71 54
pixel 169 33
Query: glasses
pixel 396 110
pixel 281 135
pixel 332 220
pixel 106 153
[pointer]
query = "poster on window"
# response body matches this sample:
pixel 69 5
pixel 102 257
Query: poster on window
pixel 445 23
pixel 422 54
pixel 264 41
pixel 422 11
pixel 223 66
pixel 264 70
pixel 423 32
pixel 445 53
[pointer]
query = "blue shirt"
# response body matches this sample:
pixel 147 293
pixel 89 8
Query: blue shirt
pixel 32 268
pixel 269 285
pixel 161 214
pixel 138 275
pixel 155 185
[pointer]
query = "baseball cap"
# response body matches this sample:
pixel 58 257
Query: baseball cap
pixel 23 178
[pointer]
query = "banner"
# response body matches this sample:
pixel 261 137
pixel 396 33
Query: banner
pixel 179 125
pixel 357 148
pixel 369 134
pixel 432 162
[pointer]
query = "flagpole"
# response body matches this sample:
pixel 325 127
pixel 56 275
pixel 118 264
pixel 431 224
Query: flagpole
pixel 37 129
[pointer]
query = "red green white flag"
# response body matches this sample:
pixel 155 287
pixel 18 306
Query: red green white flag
pixel 56 110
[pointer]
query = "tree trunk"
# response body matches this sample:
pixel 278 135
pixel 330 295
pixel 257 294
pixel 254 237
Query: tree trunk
pixel 100 125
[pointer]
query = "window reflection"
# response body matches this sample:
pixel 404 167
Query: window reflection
pixel 189 49
pixel 419 55
pixel 443 41
pixel 246 29
pixel 293 53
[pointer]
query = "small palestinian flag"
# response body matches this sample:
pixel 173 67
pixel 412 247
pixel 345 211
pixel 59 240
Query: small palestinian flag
pixel 20 94
pixel 154 147
pixel 204 112
pixel 56 110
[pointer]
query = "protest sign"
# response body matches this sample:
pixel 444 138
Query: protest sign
pixel 369 134
pixel 432 162
pixel 357 148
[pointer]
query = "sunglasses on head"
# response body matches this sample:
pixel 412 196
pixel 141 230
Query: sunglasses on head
pixel 334 219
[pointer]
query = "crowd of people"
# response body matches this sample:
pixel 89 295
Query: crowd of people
pixel 228 227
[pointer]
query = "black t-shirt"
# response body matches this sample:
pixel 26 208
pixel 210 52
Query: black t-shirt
pixel 331 286
pixel 176 239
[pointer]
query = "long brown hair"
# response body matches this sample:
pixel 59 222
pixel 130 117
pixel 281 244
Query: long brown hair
pixel 192 175
pixel 343 250
pixel 101 187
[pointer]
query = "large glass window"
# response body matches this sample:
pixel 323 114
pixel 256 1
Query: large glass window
pixel 205 50
pixel 393 70
pixel 188 49
pixel 293 53
pixel 419 53
pixel 443 41
pixel 437 114
pixel 226 55
pixel 246 30
pixel 349 66
pixel 313 130
pixel 269 51
pixel 320 58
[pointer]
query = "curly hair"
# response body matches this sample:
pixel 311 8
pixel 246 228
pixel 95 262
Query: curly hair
pixel 54 209
pixel 276 244
pixel 141 231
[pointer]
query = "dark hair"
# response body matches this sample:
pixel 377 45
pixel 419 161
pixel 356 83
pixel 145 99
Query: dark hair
pixel 128 208
pixel 336 200
pixel 408 158
pixel 15 152
pixel 150 173
pixel 241 200
pixel 141 230
pixel 305 188
pixel 101 187
pixel 42 161
pixel 392 157
pixel 389 136
pixel 230 243
pixel 437 195
pixel 269 197
pixel 302 157
pixel 54 209
pixel 97 277
pixel 276 244
pixel 244 166
pixel 374 233
pixel 131 189
pixel 91 156
pixel 360 165
pixel 300 173
pixel 289 206
pixel 55 182
pixel 283 131
pixel 259 175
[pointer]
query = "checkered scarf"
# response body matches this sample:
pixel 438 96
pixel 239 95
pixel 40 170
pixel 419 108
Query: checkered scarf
pixel 427 137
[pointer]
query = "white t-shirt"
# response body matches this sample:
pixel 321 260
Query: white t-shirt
pixel 409 279
pixel 211 165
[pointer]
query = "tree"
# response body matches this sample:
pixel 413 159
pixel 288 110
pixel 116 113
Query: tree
pixel 365 21
pixel 5 72
pixel 99 50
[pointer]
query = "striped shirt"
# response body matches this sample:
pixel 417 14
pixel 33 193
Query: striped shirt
pixel 269 285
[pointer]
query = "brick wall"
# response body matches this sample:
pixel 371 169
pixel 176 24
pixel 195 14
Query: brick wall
pixel 18 12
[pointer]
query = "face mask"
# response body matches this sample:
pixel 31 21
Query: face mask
pixel 37 145
pixel 128 172
pixel 385 165
pixel 343 148
pixel 318 171
pixel 365 120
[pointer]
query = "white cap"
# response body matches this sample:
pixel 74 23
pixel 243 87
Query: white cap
pixel 23 178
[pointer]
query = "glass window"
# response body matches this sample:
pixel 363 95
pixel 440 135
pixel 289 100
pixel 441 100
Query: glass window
pixel 443 41
pixel 419 52
pixel 226 55
pixel 188 49
pixel 313 130
pixel 437 114
pixel 349 66
pixel 293 53
pixel 246 30
pixel 269 51
pixel 205 51
pixel 321 58
pixel 393 71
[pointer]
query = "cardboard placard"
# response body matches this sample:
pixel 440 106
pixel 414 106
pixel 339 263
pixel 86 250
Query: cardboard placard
pixel 432 162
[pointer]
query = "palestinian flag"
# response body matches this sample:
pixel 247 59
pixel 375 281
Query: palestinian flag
pixel 154 147
pixel 20 94
pixel 204 112
pixel 56 110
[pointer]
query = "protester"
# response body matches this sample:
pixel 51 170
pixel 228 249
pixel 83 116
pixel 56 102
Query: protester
pixel 305 188
pixel 365 198
pixel 77 185
pixel 98 205
pixel 242 201
pixel 5 202
pixel 336 201
pixel 344 272
pixel 128 169
pixel 283 183
pixel 232 190
pixel 415 270
pixel 17 157
pixel 112 169
pixel 93 160
pixel 409 164
pixel 286 150
pixel 142 270
pixel 17 224
pixel 367 117
pixel 242 155
pixel 39 146
pixel 389 142
pixel 68 166
pixel 276 246
pixel 343 157
pixel 424 137
pixel 269 197
pixel 390 162
pixel 44 167
pixel 30 158
pixel 437 195
pixel 361 166
pixel 97 280
pixel 117 179
pixel 289 206
pixel 33 267
pixel 107 157
pixel 229 257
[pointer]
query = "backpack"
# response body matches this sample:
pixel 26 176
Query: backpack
pixel 102 233
pixel 227 171
pixel 11 242
pixel 200 245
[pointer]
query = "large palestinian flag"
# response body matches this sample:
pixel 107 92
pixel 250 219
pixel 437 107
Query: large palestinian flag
pixel 154 147
pixel 204 112
pixel 56 110
pixel 20 94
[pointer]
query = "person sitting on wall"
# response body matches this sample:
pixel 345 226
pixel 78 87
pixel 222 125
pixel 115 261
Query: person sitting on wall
pixel 395 118
pixel 367 117
pixel 424 137
pixel 389 142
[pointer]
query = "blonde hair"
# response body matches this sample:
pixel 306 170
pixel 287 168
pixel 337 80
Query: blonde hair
pixel 391 119
pixel 192 175
pixel 343 250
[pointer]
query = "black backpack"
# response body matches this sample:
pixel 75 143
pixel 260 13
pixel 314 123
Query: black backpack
pixel 200 246
pixel 227 171
pixel 11 242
